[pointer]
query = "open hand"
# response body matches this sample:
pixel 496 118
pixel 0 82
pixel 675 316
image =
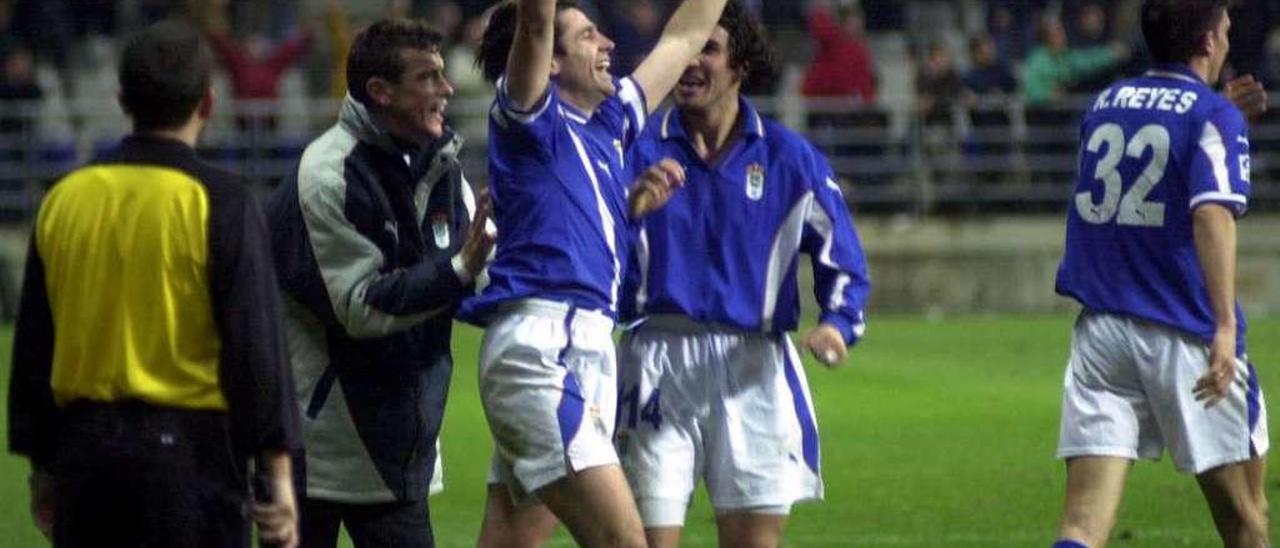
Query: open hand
pixel 475 251
pixel 1214 385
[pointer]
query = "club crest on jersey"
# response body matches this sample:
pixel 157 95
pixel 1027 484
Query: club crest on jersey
pixel 440 230
pixel 755 181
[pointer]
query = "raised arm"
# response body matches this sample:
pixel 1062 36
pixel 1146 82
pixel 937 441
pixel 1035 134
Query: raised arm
pixel 529 63
pixel 684 36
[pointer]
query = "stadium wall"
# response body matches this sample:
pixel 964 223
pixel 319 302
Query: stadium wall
pixel 938 265
pixel 1009 264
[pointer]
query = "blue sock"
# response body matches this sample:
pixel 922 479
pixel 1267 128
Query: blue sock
pixel 1064 543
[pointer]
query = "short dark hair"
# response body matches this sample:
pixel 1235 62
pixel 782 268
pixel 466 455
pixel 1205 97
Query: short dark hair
pixel 500 33
pixel 749 52
pixel 376 52
pixel 165 70
pixel 1173 29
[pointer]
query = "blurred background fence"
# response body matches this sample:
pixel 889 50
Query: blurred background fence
pixel 996 158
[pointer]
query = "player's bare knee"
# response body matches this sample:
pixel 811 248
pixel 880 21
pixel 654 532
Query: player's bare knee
pixel 1262 507
pixel 625 539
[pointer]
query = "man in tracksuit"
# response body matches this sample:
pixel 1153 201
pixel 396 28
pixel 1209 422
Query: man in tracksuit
pixel 375 245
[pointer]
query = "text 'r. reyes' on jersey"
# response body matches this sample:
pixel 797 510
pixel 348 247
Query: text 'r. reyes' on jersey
pixel 1152 149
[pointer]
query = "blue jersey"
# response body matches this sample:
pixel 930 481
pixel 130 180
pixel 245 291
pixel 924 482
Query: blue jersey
pixel 1153 148
pixel 558 183
pixel 724 250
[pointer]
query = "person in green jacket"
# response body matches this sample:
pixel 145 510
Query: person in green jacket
pixel 1053 67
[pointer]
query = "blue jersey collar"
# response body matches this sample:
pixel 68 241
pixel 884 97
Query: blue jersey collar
pixel 1176 71
pixel 673 129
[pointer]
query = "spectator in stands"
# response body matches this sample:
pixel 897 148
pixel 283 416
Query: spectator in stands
pixel 337 25
pixel 1054 69
pixel 634 27
pixel 152 11
pixel 341 32
pixel 1010 24
pixel 459 66
pixel 936 84
pixel 20 95
pixel 884 15
pixel 1091 26
pixel 255 65
pixel 988 75
pixel 18 88
pixel 842 64
pixel 986 87
pixel 1251 24
pixel 43 28
pixel 8 35
pixel 445 16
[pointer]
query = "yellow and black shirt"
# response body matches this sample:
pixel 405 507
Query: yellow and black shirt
pixel 149 280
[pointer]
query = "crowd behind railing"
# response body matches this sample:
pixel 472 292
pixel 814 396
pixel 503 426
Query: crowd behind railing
pixel 999 157
pixel 922 106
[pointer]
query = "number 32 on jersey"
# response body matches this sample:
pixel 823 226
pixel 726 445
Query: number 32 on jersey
pixel 1126 208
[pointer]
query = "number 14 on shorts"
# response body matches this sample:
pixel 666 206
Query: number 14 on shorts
pixel 630 410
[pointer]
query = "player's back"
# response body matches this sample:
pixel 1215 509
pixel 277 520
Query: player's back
pixel 1152 149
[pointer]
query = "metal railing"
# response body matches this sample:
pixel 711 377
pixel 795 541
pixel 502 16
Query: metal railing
pixel 995 156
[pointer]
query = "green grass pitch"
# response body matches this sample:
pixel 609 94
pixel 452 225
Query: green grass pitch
pixel 935 434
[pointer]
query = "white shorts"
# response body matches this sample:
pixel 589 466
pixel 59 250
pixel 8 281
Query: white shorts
pixel 548 385
pixel 1128 393
pixel 729 407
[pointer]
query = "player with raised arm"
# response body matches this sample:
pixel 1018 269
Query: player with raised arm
pixel 1158 354
pixel 712 387
pixel 559 129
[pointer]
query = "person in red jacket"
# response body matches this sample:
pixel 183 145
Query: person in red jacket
pixel 841 64
pixel 255 65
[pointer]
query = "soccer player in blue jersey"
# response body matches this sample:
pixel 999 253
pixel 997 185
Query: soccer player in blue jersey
pixel 564 206
pixel 712 387
pixel 1158 354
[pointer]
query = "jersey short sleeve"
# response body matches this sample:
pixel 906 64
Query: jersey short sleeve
pixel 1219 171
pixel 537 124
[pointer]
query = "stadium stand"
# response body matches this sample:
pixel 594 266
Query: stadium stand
pixel 991 154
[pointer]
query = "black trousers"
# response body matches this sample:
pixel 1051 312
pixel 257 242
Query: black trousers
pixel 385 525
pixel 134 475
